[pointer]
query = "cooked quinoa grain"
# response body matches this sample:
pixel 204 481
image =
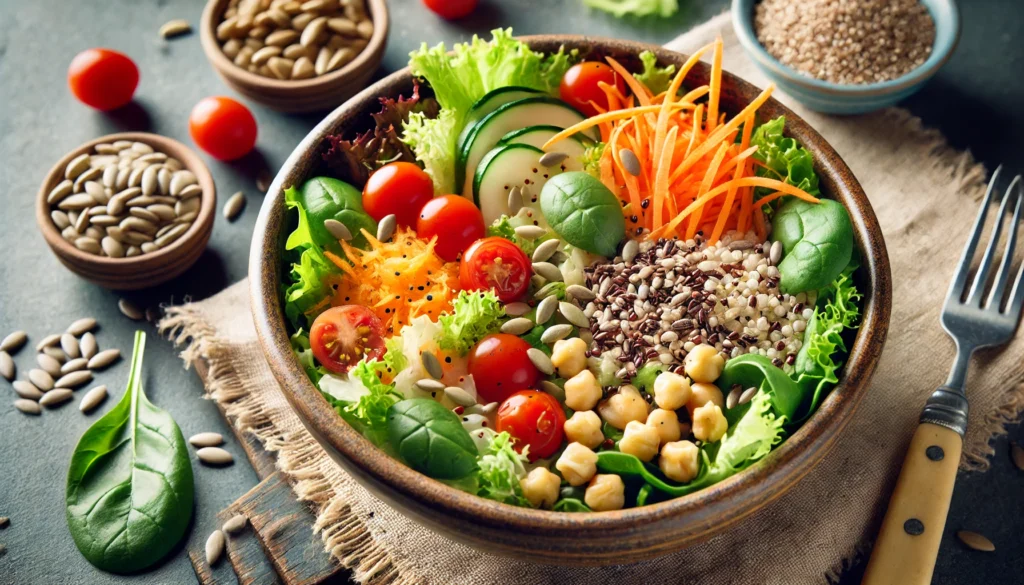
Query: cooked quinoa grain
pixel 846 41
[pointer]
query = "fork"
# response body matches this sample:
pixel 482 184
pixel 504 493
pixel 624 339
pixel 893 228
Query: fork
pixel 908 543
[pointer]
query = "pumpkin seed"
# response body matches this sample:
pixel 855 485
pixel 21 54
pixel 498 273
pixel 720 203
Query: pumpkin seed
pixel 180 180
pixel 7 369
pixel 552 159
pixel 545 250
pixel 430 385
pixel 70 345
pixel 77 166
pixel 386 227
pixel 40 379
pixel 13 342
pixel 431 365
pixel 540 360
pixel 207 439
pixel 55 398
pixel 48 364
pixel 517 326
pixel 88 345
pixel 234 206
pixel 546 309
pixel 530 232
pixel 630 163
pixel 74 379
pixel 338 229
pixel 235 524
pixel 214 547
pixel 73 365
pixel 128 309
pixel 555 333
pixel 1017 454
pixel 548 271
pixel 48 341
pixel 214 456
pixel 975 541
pixel 92 399
pixel 27 406
pixel 58 193
pixel 516 309
pixel 104 359
pixel 27 390
pixel 459 396
pixel 573 314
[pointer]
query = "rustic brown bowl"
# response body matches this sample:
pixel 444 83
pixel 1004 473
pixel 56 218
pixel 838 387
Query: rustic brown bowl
pixel 303 95
pixel 623 536
pixel 147 269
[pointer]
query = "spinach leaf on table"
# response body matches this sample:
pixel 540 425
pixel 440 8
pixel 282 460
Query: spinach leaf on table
pixel 431 439
pixel 130 488
pixel 817 243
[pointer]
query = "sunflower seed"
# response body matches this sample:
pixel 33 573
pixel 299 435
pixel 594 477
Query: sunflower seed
pixel 88 345
pixel 630 163
pixel 175 28
pixel 630 250
pixel 48 341
pixel 136 238
pixel 104 358
pixel 82 325
pixel 1017 454
pixel 580 292
pixel 541 360
pixel 74 365
pixel 48 364
pixel 235 524
pixel 553 389
pixel 7 369
pixel 77 202
pixel 27 406
pixel 59 219
pixel 430 385
pixel 74 379
pixel 162 211
pixel 517 326
pixel 70 345
pixel 55 398
pixel 112 247
pixel 339 59
pixel 13 342
pixel 733 398
pixel 40 379
pixel 747 395
pixel 555 333
pixel 552 159
pixel 573 314
pixel 234 206
pixel 189 192
pixel 4 521
pixel 143 213
pixel 545 250
pixel 431 365
pixel 975 541
pixel 530 232
pixel 515 201
pixel 516 309
pixel 152 314
pixel 92 398
pixel 546 309
pixel 775 252
pixel 27 390
pixel 172 234
pixel 459 396
pixel 365 28
pixel 207 439
pixel 548 271
pixel 214 547
pixel 58 193
pixel 386 228
pixel 77 166
pixel 338 229
pixel 180 180
pixel 214 456
pixel 132 251
pixel 110 176
pixel 128 309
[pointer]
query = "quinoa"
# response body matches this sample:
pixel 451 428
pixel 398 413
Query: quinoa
pixel 846 41
pixel 676 294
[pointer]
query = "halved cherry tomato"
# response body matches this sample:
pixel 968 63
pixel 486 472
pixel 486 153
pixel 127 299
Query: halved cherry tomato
pixel 455 221
pixel 222 127
pixel 451 9
pixel 498 264
pixel 342 336
pixel 500 366
pixel 103 79
pixel 579 86
pixel 534 419
pixel 401 188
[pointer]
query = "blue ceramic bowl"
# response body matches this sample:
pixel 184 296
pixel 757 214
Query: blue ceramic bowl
pixel 833 98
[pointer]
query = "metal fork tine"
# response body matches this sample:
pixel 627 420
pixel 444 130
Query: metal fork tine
pixel 1016 302
pixel 978 287
pixel 995 297
pixel 956 288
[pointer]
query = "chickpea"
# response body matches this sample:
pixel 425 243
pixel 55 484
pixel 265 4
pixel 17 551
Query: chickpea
pixel 605 492
pixel 640 440
pixel 709 423
pixel 569 356
pixel 666 422
pixel 680 461
pixel 577 464
pixel 584 427
pixel 622 407
pixel 701 394
pixel 582 392
pixel 540 486
pixel 704 363
pixel 671 391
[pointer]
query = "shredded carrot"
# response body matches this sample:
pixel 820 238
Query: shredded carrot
pixel 640 91
pixel 600 118
pixel 661 176
pixel 705 186
pixel 716 85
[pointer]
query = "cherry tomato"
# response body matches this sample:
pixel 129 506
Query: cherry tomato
pixel 342 336
pixel 534 419
pixel 579 86
pixel 451 9
pixel 455 221
pixel 103 79
pixel 401 188
pixel 500 366
pixel 222 127
pixel 498 264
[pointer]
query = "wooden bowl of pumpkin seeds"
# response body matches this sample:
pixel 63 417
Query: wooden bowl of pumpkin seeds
pixel 128 211
pixel 295 55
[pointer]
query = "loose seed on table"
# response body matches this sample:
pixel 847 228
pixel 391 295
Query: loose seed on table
pixel 546 309
pixel 431 365
pixel 40 379
pixel 234 206
pixel 555 333
pixel 517 326
pixel 104 359
pixel 430 385
pixel 530 232
pixel 27 390
pixel 70 345
pixel 975 541
pixel 1017 454
pixel 235 524
pixel 4 521
pixel 13 342
pixel 573 314
pixel 175 28
pixel 540 360
pixel 49 364
pixel 74 379
pixel 214 456
pixel 82 325
pixel 55 398
pixel 152 314
pixel 73 366
pixel 552 159
pixel 338 229
pixel 459 396
pixel 7 369
pixel 386 228
pixel 56 353
pixel 207 439
pixel 214 547
pixel 27 406
pixel 516 309
pixel 128 309
pixel 92 399
pixel 263 180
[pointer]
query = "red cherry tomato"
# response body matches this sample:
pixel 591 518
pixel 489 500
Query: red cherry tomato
pixel 498 264
pixel 103 79
pixel 342 336
pixel 500 366
pixel 534 419
pixel 451 9
pixel 222 127
pixel 579 86
pixel 400 188
pixel 455 221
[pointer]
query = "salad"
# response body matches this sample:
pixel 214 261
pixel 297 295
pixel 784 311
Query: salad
pixel 553 282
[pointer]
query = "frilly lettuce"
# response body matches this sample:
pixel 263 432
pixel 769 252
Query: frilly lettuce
pixel 500 470
pixel 474 315
pixel 592 159
pixel 362 399
pixel 657 79
pixel 310 276
pixel 403 351
pixel 620 8
pixel 784 159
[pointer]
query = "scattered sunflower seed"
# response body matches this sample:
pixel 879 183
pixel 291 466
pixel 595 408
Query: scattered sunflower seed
pixel 540 360
pixel 517 326
pixel 459 396
pixel 430 385
pixel 516 309
pixel 7 369
pixel 74 379
pixel 235 524
pixel 104 359
pixel 207 439
pixel 263 180
pixel 630 163
pixel 56 353
pixel 175 28
pixel 545 249
pixel 49 364
pixel 1017 454
pixel 26 390
pixel 4 521
pixel 81 326
pixel 70 345
pixel 552 159
pixel 55 398
pixel 337 229
pixel 214 456
pixel 73 365
pixel 234 206
pixel 431 365
pixel 530 232
pixel 88 345
pixel 573 314
pixel 13 342
pixel 214 547
pixel 27 406
pixel 40 379
pixel 128 309
pixel 386 227
pixel 92 399
pixel 555 333
pixel 546 309
pixel 975 541
pixel 547 271
pixel 48 341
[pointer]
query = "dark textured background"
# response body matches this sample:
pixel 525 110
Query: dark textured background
pixel 975 101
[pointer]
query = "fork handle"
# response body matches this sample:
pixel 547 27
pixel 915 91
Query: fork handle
pixel 908 543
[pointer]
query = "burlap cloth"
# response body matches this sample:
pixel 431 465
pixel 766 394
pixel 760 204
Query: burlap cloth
pixel 923 193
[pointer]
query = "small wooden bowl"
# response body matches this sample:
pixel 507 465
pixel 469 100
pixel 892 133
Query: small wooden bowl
pixel 147 269
pixel 304 95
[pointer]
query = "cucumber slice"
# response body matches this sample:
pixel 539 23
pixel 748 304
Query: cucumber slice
pixel 486 133
pixel 491 101
pixel 537 136
pixel 508 166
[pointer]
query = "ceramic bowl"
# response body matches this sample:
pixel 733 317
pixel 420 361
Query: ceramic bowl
pixel 147 269
pixel 834 98
pixel 623 536
pixel 305 95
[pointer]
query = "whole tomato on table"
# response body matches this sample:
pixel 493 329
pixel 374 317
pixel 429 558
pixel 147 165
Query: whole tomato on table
pixel 535 420
pixel 222 127
pixel 580 86
pixel 500 366
pixel 451 9
pixel 103 79
pixel 497 264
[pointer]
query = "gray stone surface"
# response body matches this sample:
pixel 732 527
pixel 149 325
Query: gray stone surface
pixel 975 101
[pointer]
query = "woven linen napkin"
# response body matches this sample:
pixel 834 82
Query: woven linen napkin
pixel 921 191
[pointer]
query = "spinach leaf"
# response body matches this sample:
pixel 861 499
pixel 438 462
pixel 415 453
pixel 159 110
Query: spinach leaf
pixel 756 370
pixel 323 198
pixel 583 212
pixel 431 439
pixel 130 491
pixel 817 243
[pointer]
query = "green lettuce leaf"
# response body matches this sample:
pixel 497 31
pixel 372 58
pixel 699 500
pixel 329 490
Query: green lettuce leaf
pixel 310 275
pixel 784 158
pixel 500 470
pixel 592 159
pixel 300 345
pixel 621 8
pixel 505 227
pixel 474 315
pixel 657 79
pixel 369 414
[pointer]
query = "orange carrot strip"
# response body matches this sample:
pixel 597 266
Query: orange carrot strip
pixel 719 228
pixel 705 186
pixel 673 89
pixel 642 93
pixel 716 85
pixel 605 117
pixel 759 227
pixel 747 195
pixel 677 81
pixel 695 136
pixel 661 176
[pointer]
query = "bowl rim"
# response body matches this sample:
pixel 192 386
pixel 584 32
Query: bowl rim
pixel 720 505
pixel 944 11
pixel 368 57
pixel 169 146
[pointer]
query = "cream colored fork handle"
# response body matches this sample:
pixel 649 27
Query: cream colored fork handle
pixel 908 543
